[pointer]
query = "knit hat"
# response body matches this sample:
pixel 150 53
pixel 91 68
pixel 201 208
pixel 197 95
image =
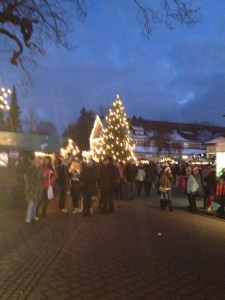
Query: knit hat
pixel 195 168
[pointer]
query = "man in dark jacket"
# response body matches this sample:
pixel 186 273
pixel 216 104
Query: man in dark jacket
pixel 62 180
pixel 130 172
pixel 107 179
pixel 88 185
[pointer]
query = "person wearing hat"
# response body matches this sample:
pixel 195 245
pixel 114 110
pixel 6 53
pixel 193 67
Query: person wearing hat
pixel 193 187
pixel 166 180
pixel 222 193
pixel 210 187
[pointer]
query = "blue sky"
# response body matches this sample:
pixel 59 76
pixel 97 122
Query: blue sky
pixel 175 75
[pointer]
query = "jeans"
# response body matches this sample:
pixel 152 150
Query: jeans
pixel 167 196
pixel 44 203
pixel 129 190
pixel 75 194
pixel 31 210
pixel 87 199
pixel 62 196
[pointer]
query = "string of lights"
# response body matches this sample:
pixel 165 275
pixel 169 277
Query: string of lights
pixel 3 98
pixel 115 140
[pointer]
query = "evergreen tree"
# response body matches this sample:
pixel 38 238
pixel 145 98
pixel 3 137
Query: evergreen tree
pixel 81 130
pixel 13 121
pixel 115 140
pixel 2 120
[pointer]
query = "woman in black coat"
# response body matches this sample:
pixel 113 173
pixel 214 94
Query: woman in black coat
pixel 88 186
pixel 210 188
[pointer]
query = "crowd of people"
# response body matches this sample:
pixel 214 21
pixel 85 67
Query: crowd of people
pixel 109 180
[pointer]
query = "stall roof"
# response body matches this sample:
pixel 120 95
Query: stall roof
pixel 217 140
pixel 30 142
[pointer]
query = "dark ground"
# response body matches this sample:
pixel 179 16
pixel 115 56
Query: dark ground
pixel 139 252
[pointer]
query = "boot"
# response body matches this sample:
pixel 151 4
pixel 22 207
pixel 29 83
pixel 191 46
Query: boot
pixel 162 204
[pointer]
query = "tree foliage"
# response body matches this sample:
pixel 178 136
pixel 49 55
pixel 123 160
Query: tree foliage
pixel 115 140
pixel 2 120
pixel 31 120
pixel 168 12
pixel 26 25
pixel 46 128
pixel 81 130
pixel 13 121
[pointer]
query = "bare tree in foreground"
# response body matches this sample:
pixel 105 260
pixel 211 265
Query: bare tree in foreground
pixel 26 25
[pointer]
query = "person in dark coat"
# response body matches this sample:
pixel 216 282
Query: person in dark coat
pixel 222 194
pixel 130 173
pixel 48 179
pixel 112 178
pixel 149 178
pixel 88 185
pixel 210 188
pixel 63 182
pixel 107 180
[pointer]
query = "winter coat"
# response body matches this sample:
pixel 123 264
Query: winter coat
pixel 166 180
pixel 107 177
pixel 33 184
pixel 140 175
pixel 150 174
pixel 49 178
pixel 192 184
pixel 210 184
pixel 62 174
pixel 88 181
pixel 130 172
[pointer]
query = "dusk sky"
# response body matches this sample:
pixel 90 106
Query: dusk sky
pixel 175 75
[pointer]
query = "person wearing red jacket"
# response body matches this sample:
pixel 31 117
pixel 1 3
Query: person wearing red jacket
pixel 48 179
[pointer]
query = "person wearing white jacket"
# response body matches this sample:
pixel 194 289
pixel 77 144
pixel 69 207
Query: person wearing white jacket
pixel 193 188
pixel 139 180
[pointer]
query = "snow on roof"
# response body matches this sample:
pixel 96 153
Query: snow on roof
pixel 175 136
pixel 150 133
pixel 143 149
pixel 186 132
pixel 217 140
pixel 137 127
pixel 204 135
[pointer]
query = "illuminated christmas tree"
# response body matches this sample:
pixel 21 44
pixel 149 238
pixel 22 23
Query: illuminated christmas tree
pixel 70 150
pixel 3 95
pixel 115 140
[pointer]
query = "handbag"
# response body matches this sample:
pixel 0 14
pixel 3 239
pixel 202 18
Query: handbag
pixel 50 193
pixel 162 189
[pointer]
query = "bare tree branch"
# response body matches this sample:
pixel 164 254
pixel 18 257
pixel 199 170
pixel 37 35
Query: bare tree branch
pixel 28 24
pixel 171 11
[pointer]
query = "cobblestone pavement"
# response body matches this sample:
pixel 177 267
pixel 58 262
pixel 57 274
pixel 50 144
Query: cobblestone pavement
pixel 139 252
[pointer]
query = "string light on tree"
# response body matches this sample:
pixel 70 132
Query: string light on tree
pixel 115 140
pixel 70 150
pixel 3 95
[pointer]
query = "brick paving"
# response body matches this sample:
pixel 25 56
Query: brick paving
pixel 139 252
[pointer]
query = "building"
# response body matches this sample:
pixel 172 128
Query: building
pixel 216 148
pixel 14 145
pixel 156 140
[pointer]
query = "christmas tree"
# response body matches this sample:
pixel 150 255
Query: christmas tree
pixel 70 150
pixel 13 121
pixel 115 140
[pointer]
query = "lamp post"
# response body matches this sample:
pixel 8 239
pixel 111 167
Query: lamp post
pixel 3 95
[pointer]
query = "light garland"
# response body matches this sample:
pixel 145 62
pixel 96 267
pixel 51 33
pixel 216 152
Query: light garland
pixel 70 150
pixel 3 95
pixel 115 140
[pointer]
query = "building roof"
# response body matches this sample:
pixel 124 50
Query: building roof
pixel 220 139
pixel 30 142
pixel 189 132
